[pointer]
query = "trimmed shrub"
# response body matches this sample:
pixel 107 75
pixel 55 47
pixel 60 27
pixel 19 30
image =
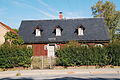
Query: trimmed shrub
pixel 114 53
pixel 100 56
pixel 14 56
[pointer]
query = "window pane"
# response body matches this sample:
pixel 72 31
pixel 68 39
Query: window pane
pixel 58 32
pixel 80 31
pixel 38 32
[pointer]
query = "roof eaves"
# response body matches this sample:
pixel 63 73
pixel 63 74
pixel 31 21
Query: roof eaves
pixel 11 30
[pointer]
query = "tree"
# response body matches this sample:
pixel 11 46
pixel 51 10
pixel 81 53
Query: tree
pixel 107 11
pixel 13 38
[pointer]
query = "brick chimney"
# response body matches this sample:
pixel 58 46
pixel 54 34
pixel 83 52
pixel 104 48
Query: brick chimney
pixel 60 15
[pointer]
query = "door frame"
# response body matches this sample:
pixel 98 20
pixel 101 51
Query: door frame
pixel 51 44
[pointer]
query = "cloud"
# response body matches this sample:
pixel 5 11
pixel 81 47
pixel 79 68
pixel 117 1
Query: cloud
pixel 47 6
pixel 66 13
pixel 34 8
pixel 73 15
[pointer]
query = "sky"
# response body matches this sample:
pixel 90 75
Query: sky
pixel 12 12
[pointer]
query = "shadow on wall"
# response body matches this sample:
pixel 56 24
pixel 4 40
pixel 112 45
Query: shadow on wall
pixel 73 78
pixel 16 79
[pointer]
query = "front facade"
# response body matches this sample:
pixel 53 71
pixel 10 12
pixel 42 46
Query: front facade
pixel 46 36
pixel 3 30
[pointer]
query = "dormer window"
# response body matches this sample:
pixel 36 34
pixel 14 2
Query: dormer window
pixel 58 31
pixel 38 31
pixel 80 30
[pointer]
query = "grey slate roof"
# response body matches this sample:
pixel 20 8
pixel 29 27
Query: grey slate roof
pixel 95 30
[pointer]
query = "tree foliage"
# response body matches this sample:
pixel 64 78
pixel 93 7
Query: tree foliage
pixel 107 10
pixel 13 38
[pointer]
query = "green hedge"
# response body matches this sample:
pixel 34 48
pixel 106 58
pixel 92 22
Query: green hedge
pixel 114 53
pixel 77 55
pixel 14 56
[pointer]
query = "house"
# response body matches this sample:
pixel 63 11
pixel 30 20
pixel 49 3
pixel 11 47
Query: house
pixel 44 36
pixel 3 30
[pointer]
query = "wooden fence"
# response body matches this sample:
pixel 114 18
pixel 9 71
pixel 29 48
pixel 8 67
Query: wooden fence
pixel 42 62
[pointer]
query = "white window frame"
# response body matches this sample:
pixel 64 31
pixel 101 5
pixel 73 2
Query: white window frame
pixel 29 46
pixel 58 32
pixel 57 47
pixel 98 45
pixel 37 32
pixel 45 47
pixel 84 45
pixel 80 31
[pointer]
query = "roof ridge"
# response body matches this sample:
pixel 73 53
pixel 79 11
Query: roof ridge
pixel 65 19
pixel 11 30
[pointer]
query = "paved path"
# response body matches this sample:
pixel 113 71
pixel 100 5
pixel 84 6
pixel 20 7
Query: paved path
pixel 67 74
pixel 67 77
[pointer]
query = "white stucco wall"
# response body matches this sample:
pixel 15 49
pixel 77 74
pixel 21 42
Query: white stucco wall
pixel 3 31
